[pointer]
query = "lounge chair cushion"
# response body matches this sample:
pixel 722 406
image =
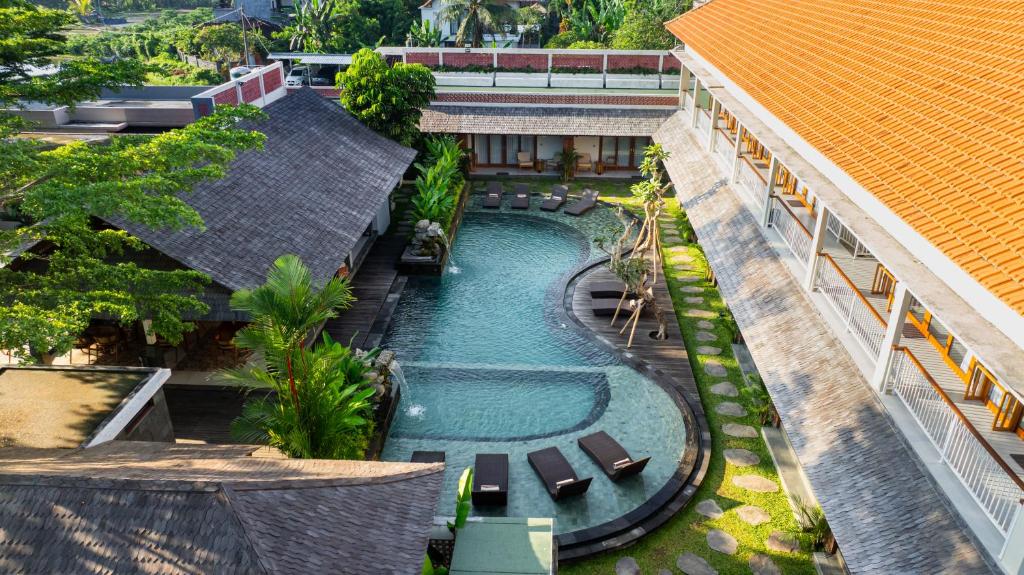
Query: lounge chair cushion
pixel 613 459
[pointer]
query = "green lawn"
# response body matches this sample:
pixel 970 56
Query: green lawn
pixel 686 532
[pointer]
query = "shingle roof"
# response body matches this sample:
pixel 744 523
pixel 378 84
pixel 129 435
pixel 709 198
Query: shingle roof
pixel 919 102
pixel 311 191
pixel 542 121
pixel 126 507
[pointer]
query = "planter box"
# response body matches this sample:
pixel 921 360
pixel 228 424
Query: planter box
pixel 670 81
pixel 633 81
pixel 521 79
pixel 464 79
pixel 577 80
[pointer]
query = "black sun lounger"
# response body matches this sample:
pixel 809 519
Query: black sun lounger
pixel 490 479
pixel 558 476
pixel 612 457
pixel 427 457
pixel 493 197
pixel 558 195
pixel 608 289
pixel 605 307
pixel 521 199
pixel 586 203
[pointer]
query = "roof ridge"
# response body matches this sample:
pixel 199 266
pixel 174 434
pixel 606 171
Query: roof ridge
pixel 224 495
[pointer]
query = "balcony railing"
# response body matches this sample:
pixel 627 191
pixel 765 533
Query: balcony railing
pixel 753 182
pixel 792 230
pixel 703 123
pixel 992 483
pixel 845 237
pixel 687 101
pixel 724 148
pixel 861 318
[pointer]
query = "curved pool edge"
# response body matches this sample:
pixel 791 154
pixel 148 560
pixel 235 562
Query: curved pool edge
pixel 680 487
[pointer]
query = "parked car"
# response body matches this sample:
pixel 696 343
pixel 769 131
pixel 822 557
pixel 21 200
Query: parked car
pixel 297 76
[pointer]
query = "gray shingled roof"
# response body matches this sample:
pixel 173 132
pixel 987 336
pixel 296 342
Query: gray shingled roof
pixel 885 510
pixel 126 507
pixel 311 191
pixel 543 121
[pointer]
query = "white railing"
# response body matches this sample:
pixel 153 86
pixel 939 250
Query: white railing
pixel 859 316
pixel 792 230
pixel 752 182
pixel 996 487
pixel 687 101
pixel 724 149
pixel 703 123
pixel 845 237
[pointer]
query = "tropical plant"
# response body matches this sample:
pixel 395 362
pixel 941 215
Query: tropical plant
pixel 586 45
pixel 439 182
pixel 813 526
pixel 423 34
pixel 476 17
pixel 313 25
pixel 568 158
pixel 81 8
pixel 463 500
pixel 757 399
pixel 387 99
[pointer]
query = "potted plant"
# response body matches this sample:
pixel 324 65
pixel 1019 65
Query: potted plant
pixel 568 158
pixel 637 78
pixel 527 77
pixel 576 77
pixel 473 75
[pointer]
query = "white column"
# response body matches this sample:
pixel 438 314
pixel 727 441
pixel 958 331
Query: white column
pixel 736 152
pixel 893 333
pixel 817 242
pixel 769 189
pixel 716 106
pixel 696 93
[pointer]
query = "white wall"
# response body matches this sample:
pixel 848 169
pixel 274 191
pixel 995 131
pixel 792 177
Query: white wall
pixel 548 146
pixel 587 145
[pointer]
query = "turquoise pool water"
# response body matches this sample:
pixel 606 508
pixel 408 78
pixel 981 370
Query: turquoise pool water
pixel 490 368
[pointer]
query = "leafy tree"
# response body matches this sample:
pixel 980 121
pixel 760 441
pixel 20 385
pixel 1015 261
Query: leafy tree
pixel 221 43
pixel 477 17
pixel 391 16
pixel 586 45
pixel 330 26
pixel 423 34
pixel 388 99
pixel 563 40
pixel 643 27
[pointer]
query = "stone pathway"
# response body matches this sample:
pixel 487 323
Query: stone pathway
pixel 691 289
pixel 781 542
pixel 691 564
pixel 722 542
pixel 753 515
pixel 730 409
pixel 755 483
pixel 694 300
pixel 705 324
pixel 708 508
pixel 738 430
pixel 627 566
pixel 762 565
pixel 706 336
pixel 715 368
pixel 741 457
pixel 701 314
pixel 709 350
pixel 688 279
pixel 725 389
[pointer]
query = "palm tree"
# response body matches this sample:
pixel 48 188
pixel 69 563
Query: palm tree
pixel 476 16
pixel 314 25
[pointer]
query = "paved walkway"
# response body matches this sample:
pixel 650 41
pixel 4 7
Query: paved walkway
pixel 885 512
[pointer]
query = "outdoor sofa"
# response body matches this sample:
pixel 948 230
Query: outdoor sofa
pixel 521 199
pixel 584 205
pixel 559 477
pixel 494 193
pixel 490 479
pixel 613 459
pixel 559 193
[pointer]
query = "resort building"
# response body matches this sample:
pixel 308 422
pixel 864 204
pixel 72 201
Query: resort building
pixel 856 186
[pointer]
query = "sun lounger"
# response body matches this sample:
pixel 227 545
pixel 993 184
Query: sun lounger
pixel 608 289
pixel 521 199
pixel 584 205
pixel 558 476
pixel 558 195
pixel 493 197
pixel 427 457
pixel 490 479
pixel 605 307
pixel 612 457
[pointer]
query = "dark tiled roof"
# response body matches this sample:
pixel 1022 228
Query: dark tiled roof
pixel 127 507
pixel 311 192
pixel 543 121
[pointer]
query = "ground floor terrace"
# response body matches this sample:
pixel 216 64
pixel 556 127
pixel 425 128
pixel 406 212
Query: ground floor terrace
pixel 926 360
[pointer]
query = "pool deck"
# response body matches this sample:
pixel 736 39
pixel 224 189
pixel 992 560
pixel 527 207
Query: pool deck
pixel 667 363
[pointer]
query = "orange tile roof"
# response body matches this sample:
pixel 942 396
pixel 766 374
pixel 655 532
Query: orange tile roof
pixel 920 101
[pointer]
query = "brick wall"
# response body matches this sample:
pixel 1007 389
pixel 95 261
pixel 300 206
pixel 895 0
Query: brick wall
pixel 538 62
pixel 616 62
pixel 462 59
pixel 272 80
pixel 429 59
pixel 251 90
pixel 595 61
pixel 226 96
pixel 672 63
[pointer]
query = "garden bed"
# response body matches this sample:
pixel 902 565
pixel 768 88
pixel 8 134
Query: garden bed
pixel 521 79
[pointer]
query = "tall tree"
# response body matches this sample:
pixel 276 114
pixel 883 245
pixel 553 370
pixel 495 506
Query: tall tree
pixel 330 26
pixel 478 17
pixel 387 99
pixel 72 272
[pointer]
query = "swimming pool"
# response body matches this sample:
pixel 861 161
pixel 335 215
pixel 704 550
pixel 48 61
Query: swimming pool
pixel 490 368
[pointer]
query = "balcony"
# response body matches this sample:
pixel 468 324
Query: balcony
pixel 725 149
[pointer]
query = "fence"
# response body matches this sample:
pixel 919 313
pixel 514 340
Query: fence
pixel 792 230
pixel 724 148
pixel 845 237
pixel 859 316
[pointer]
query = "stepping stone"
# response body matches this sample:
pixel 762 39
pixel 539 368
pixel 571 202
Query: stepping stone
pixel 664 572
pixel 722 542
pixel 694 565
pixel 694 300
pixel 683 268
pixel 762 565
pixel 731 409
pixel 709 350
pixel 701 313
pixel 753 515
pixel 755 483
pixel 708 508
pixel 725 389
pixel 741 457
pixel 705 324
pixel 627 566
pixel 742 431
pixel 715 368
pixel 692 289
pixel 781 542
pixel 689 279
pixel 706 336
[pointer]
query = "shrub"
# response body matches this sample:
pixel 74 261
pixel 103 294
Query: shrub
pixel 586 45
pixel 562 40
pixel 439 182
